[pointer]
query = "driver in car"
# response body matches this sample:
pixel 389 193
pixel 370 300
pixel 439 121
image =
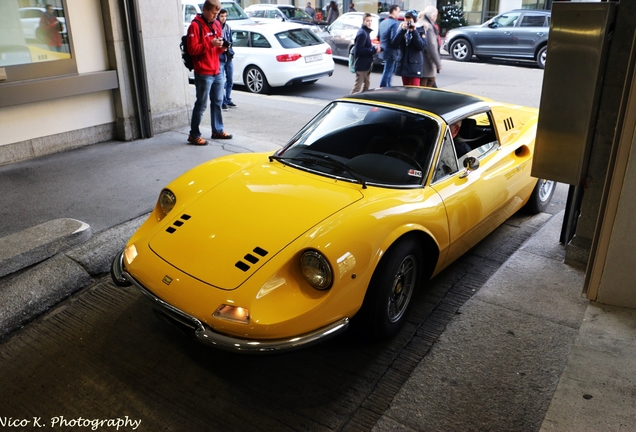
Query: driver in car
pixel 461 146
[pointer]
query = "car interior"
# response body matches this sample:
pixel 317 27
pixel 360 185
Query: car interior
pixel 386 147
pixel 478 132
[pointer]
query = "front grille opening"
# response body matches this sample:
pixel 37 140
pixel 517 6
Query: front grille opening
pixel 170 230
pixel 177 223
pixel 185 217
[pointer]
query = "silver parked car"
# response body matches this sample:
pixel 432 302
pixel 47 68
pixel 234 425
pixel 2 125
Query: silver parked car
pixel 521 33
pixel 342 33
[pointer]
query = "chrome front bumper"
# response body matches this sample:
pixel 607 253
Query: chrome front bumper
pixel 207 335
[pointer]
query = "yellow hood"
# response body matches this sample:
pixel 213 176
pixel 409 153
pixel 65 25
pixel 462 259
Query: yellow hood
pixel 228 233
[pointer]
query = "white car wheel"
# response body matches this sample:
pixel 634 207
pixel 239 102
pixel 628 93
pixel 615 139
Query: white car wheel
pixel 255 80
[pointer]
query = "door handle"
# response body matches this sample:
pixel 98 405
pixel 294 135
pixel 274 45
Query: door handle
pixel 507 33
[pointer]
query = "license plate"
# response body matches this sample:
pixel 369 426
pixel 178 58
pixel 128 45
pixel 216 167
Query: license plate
pixel 313 58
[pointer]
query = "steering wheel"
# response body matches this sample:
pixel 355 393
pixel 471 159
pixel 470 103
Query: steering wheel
pixel 404 157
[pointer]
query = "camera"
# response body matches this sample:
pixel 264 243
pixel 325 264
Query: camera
pixel 226 43
pixel 410 24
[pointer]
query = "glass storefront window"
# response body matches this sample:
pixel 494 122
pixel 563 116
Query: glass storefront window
pixel 34 40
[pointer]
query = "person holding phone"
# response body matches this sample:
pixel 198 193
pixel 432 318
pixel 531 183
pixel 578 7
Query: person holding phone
pixel 206 44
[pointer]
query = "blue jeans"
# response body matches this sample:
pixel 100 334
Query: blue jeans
pixel 228 68
pixel 389 70
pixel 207 86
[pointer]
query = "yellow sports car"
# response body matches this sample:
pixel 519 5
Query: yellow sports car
pixel 266 252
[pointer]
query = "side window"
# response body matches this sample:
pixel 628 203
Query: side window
pixel 287 13
pixel 353 22
pixel 240 38
pixel 337 25
pixel 447 163
pixel 531 20
pixel 190 13
pixel 479 134
pixel 259 41
pixel 506 20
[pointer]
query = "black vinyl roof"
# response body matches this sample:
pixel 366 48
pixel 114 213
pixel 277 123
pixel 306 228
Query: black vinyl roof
pixel 448 105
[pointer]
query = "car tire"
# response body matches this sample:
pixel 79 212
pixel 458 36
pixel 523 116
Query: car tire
pixel 392 290
pixel 255 80
pixel 542 56
pixel 461 50
pixel 541 196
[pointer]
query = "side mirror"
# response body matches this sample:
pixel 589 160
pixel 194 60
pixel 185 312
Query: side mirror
pixel 471 164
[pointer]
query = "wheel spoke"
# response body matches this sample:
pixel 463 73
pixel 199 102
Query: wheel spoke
pixel 402 289
pixel 545 189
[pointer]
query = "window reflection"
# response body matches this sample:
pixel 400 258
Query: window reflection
pixel 33 32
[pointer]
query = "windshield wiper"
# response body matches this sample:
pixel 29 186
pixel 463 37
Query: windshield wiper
pixel 343 166
pixel 320 159
pixel 283 159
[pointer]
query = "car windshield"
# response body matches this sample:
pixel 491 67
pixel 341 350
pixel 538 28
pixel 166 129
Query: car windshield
pixel 367 144
pixel 234 12
pixel 298 38
pixel 293 13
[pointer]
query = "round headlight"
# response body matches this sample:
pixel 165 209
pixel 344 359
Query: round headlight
pixel 167 200
pixel 316 269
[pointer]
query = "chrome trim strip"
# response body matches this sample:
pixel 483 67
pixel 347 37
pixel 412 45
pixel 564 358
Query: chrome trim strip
pixel 207 335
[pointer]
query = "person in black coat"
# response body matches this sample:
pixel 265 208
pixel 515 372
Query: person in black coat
pixel 410 43
pixel 363 51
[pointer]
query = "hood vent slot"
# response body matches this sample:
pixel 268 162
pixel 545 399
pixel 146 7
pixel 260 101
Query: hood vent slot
pixel 508 123
pixel 243 266
pixel 176 224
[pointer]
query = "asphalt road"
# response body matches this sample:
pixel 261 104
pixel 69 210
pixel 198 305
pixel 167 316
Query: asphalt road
pixel 504 81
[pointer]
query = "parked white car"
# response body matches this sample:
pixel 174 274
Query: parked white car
pixel 278 54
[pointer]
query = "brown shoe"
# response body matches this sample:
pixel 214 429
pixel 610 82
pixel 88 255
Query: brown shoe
pixel 221 135
pixel 197 141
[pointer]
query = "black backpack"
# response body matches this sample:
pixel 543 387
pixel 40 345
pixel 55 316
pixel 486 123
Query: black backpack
pixel 185 55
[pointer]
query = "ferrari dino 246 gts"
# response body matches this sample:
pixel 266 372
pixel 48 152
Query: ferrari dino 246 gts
pixel 367 202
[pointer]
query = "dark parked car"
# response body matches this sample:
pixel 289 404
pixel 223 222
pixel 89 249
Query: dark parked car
pixel 521 33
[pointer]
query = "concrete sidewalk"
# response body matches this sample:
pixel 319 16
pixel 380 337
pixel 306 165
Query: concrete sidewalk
pixel 525 345
pixel 526 352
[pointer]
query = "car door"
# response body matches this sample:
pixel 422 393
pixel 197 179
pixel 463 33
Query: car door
pixel 344 32
pixel 240 44
pixel 479 200
pixel 531 30
pixel 495 37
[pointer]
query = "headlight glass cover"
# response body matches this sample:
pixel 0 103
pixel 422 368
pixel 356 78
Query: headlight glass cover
pixel 167 200
pixel 316 269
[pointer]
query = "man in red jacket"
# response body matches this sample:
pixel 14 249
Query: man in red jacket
pixel 205 44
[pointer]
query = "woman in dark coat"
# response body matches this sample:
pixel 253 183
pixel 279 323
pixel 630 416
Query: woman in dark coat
pixel 410 44
pixel 363 51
